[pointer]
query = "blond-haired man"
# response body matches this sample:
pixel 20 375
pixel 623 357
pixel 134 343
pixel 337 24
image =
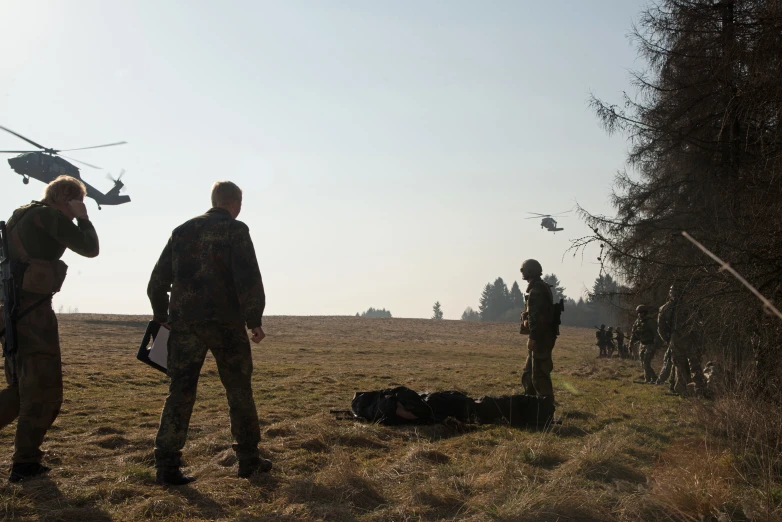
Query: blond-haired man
pixel 210 268
pixel 39 234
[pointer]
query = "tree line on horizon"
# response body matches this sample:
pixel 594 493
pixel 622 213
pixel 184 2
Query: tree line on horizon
pixel 602 305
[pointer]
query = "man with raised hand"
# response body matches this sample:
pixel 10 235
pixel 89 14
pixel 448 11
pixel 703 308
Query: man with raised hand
pixel 210 268
pixel 38 235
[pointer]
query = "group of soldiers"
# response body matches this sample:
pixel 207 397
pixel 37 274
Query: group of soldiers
pixel 209 268
pixel 605 342
pixel 681 362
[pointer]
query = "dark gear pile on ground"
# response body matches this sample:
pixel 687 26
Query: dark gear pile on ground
pixel 401 405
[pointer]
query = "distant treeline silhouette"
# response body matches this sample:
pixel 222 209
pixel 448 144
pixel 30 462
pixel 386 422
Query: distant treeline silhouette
pixel 375 312
pixel 497 303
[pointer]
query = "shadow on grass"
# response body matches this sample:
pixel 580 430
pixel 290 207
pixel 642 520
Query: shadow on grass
pixel 578 415
pixel 51 504
pixel 568 430
pixel 206 506
pixel 650 432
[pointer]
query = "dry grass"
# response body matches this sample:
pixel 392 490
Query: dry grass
pixel 623 452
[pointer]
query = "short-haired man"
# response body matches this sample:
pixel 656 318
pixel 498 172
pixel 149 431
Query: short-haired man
pixel 39 234
pixel 210 268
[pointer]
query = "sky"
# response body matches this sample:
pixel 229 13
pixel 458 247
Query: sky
pixel 389 152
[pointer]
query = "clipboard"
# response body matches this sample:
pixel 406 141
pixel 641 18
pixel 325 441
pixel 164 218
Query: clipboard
pixel 155 355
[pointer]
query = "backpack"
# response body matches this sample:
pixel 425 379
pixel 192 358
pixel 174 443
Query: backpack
pixel 391 406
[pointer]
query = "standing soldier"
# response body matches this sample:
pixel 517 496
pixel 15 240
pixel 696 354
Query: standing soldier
pixel 620 342
pixel 537 321
pixel 672 330
pixel 210 268
pixel 600 335
pixel 610 341
pixel 39 234
pixel 645 331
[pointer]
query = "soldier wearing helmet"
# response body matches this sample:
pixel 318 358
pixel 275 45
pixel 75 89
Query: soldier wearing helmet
pixel 600 334
pixel 537 321
pixel 645 331
pixel 672 319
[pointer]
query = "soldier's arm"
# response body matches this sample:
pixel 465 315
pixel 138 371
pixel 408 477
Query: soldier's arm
pixel 80 237
pixel 247 276
pixel 160 284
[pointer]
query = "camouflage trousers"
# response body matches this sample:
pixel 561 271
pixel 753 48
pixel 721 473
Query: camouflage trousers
pixel 647 355
pixel 37 397
pixel 187 347
pixel 536 376
pixel 688 365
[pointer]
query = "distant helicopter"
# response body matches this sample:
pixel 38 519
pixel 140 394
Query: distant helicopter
pixel 46 164
pixel 548 222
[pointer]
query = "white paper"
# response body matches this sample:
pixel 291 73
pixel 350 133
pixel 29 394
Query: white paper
pixel 158 354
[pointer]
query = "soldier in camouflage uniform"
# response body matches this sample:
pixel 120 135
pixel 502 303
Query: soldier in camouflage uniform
pixel 668 370
pixel 600 335
pixel 609 338
pixel 210 268
pixel 672 329
pixel 39 234
pixel 538 322
pixel 620 342
pixel 645 331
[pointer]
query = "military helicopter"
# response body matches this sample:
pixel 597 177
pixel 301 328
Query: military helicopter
pixel 46 164
pixel 548 222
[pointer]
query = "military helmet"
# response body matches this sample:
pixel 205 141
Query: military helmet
pixel 532 268
pixel 673 291
pixel 602 326
pixel 641 308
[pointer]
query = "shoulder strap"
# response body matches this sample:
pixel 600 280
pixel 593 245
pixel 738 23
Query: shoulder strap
pixel 14 233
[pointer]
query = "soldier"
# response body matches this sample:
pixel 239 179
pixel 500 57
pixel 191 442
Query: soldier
pixel 39 234
pixel 600 335
pixel 620 342
pixel 668 370
pixel 609 338
pixel 644 331
pixel 672 329
pixel 210 268
pixel 538 323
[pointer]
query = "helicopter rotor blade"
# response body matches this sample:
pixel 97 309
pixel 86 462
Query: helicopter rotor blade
pixel 96 146
pixel 28 140
pixel 17 151
pixel 82 162
pixel 537 217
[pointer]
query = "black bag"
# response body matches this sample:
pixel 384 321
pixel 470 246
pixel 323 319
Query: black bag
pixel 391 406
pixel 450 404
pixel 516 410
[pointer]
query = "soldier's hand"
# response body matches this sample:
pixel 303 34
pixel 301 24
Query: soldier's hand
pixel 78 209
pixel 258 335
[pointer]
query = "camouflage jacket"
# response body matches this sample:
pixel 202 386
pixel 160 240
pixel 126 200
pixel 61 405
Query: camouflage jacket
pixel 644 330
pixel 210 268
pixel 540 309
pixel 600 335
pixel 45 233
pixel 666 320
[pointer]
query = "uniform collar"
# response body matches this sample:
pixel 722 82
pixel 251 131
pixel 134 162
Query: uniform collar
pixel 532 282
pixel 217 210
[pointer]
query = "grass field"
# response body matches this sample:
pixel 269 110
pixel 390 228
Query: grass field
pixel 623 451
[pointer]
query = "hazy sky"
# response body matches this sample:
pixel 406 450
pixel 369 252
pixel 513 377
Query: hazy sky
pixel 388 151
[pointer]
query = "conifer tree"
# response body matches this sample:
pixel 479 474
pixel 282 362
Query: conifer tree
pixel 437 312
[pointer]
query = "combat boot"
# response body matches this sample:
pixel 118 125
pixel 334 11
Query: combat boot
pixel 172 477
pixel 25 470
pixel 253 465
